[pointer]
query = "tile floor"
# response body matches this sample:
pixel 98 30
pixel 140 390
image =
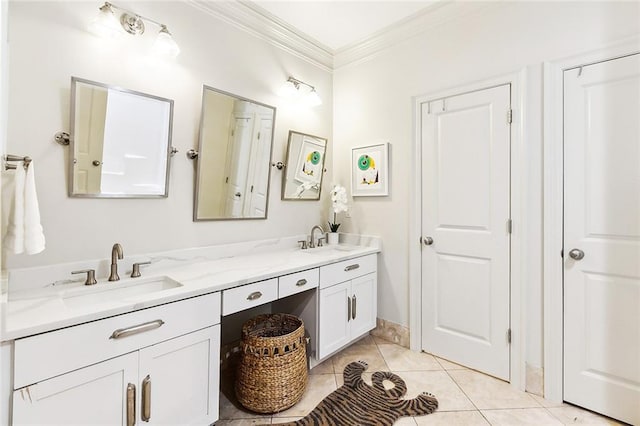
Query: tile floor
pixel 465 397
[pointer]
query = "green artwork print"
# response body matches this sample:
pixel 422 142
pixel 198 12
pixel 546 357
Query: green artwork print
pixel 314 157
pixel 365 162
pixel 369 170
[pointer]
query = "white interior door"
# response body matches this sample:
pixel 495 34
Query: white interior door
pixel 259 163
pixel 237 164
pixel 465 213
pixel 602 223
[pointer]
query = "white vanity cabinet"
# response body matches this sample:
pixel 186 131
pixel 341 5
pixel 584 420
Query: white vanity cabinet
pixel 347 302
pixel 157 366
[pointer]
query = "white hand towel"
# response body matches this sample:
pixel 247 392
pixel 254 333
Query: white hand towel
pixel 33 235
pixel 14 238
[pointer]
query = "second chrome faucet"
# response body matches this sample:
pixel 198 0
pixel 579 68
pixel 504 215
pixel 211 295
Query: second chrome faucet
pixel 116 253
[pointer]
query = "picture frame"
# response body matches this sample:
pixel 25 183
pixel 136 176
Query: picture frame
pixel 370 170
pixel 310 169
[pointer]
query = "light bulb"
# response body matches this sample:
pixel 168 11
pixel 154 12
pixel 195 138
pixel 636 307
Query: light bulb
pixel 288 90
pixel 313 99
pixel 165 45
pixel 105 24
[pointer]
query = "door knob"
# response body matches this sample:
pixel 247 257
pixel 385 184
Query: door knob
pixel 96 163
pixel 427 241
pixel 576 254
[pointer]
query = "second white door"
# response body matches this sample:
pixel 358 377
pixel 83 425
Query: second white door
pixel 466 229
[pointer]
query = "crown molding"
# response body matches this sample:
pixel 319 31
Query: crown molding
pixel 250 17
pixel 425 20
pixel 266 26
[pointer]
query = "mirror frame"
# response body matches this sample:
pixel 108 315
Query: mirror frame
pixel 283 196
pixel 72 118
pixel 198 159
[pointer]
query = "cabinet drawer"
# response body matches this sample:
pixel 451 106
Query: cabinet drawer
pixel 250 295
pixel 50 354
pixel 298 282
pixel 347 269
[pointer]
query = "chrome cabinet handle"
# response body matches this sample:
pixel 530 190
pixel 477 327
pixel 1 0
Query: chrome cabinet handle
pixel 353 308
pixel 254 296
pixel 238 195
pixel 301 282
pixel 146 399
pixel 91 276
pixel 576 254
pixel 140 328
pixel 131 404
pixel 427 241
pixel 351 267
pixel 348 308
pixel 135 272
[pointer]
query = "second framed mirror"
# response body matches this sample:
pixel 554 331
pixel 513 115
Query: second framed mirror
pixel 304 169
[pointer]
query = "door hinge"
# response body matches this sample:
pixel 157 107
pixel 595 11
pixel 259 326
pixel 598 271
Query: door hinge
pixel 509 336
pixel 233 132
pixel 509 226
pixel 509 116
pixel 562 253
pixel 226 180
pixel 421 241
pixel 258 135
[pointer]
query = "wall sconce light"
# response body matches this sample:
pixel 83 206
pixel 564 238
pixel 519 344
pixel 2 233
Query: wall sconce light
pixel 106 24
pixel 298 89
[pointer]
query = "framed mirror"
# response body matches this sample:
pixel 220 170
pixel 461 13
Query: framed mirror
pixel 120 142
pixel 304 168
pixel 234 156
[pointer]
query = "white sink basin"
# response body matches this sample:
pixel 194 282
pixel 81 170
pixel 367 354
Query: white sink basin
pixel 340 248
pixel 106 292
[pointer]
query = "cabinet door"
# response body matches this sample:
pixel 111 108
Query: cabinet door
pixel 364 296
pixel 179 379
pixel 334 320
pixel 94 395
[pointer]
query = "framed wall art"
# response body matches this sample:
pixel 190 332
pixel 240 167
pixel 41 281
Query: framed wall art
pixel 370 170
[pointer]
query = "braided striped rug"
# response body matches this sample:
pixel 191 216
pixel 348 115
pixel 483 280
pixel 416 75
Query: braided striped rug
pixel 356 403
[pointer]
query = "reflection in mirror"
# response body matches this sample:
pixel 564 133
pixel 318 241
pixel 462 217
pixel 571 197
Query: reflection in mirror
pixel 236 135
pixel 302 179
pixel 120 140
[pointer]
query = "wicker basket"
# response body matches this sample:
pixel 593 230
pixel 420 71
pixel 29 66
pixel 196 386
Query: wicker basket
pixel 272 375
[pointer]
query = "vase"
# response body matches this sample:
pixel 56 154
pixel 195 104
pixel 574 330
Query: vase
pixel 332 238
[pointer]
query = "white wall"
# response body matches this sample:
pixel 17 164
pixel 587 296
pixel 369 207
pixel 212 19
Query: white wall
pixel 49 44
pixel 373 100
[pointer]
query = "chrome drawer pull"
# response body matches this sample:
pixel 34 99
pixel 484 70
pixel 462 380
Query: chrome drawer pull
pixel 254 296
pixel 140 328
pixel 351 267
pixel 353 308
pixel 131 404
pixel 146 399
pixel 301 282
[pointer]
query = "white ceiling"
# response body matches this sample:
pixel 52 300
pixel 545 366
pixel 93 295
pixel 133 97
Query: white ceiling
pixel 337 24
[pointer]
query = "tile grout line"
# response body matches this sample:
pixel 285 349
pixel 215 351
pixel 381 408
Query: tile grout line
pixel 464 393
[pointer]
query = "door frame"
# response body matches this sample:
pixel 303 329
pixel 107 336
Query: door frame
pixel 553 187
pixel 518 215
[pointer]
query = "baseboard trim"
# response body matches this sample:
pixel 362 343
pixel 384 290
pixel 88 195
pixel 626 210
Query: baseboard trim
pixel 534 381
pixel 388 330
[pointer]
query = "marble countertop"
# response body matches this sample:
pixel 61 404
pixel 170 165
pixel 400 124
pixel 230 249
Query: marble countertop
pixel 48 309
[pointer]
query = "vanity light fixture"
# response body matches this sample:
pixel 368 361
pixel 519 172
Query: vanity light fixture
pixel 294 88
pixel 107 24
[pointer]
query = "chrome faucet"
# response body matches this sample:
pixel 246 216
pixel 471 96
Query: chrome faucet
pixel 312 243
pixel 116 253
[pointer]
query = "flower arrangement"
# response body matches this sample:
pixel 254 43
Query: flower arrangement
pixel 338 204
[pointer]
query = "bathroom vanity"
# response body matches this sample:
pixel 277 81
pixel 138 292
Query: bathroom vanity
pixel 147 350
